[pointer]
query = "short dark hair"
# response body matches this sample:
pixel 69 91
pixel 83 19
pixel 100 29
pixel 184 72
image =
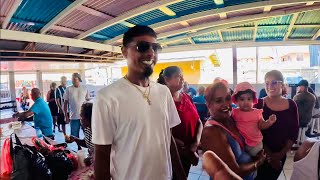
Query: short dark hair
pixel 136 31
pixel 167 72
pixel 248 91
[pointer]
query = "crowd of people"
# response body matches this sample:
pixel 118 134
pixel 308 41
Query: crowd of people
pixel 140 129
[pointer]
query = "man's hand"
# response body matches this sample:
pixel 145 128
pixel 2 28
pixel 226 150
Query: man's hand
pixel 16 115
pixel 67 118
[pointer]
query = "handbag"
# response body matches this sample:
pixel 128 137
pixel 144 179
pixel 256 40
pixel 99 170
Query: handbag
pixel 28 163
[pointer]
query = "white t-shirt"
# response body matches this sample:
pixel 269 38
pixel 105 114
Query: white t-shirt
pixel 76 96
pixel 307 167
pixel 138 132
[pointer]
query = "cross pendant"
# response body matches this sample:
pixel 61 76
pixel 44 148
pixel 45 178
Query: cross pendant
pixel 149 101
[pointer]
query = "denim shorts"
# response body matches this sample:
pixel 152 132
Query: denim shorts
pixel 75 127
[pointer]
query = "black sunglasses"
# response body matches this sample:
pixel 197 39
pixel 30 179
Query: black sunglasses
pixel 143 46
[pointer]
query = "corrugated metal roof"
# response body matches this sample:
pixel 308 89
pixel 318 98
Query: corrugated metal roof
pixel 5 6
pixel 21 27
pixel 115 7
pixel 11 45
pixel 81 21
pixel 191 6
pixel 177 43
pixel 280 20
pixel 207 19
pixel 251 24
pixel 169 28
pixel 40 10
pixel 271 33
pixel 61 33
pixel 150 17
pixel 298 33
pixel 237 35
pixel 245 12
pixel 114 30
pixel 207 38
pixel 312 17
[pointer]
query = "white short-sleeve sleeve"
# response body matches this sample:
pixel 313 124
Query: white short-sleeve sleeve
pixel 103 122
pixel 174 118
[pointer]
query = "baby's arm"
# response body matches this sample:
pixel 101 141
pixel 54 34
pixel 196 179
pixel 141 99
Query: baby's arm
pixel 266 124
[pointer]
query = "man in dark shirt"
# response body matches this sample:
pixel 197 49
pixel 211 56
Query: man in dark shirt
pixel 305 102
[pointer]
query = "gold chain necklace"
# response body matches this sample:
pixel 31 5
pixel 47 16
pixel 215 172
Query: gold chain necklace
pixel 145 94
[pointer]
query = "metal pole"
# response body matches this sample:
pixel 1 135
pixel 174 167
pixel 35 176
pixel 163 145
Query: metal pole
pixel 257 65
pixel 235 66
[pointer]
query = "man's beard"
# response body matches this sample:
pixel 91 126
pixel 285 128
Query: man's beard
pixel 148 71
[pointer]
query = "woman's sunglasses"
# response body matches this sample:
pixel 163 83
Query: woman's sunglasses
pixel 273 83
pixel 143 46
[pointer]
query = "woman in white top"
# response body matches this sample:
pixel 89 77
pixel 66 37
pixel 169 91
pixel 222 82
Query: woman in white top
pixel 306 161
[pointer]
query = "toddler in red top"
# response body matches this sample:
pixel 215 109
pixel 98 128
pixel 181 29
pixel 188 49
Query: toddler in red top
pixel 249 120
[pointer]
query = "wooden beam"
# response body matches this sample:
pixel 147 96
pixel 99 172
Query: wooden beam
pixel 49 39
pixel 214 12
pixel 307 25
pixel 13 9
pixel 127 15
pixel 220 35
pixel 56 53
pixel 61 15
pixel 255 31
pixel 55 58
pixel 228 23
pixel 316 35
pixel 210 46
pixel 293 20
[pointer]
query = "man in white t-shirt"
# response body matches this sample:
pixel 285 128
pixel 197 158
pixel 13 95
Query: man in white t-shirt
pixel 132 118
pixel 74 96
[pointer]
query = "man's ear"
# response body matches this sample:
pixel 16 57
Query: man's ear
pixel 124 52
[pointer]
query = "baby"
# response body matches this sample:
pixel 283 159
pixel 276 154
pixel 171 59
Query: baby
pixel 249 120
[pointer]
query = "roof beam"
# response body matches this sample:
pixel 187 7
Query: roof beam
pixel 62 14
pixel 213 12
pixel 49 39
pixel 220 35
pixel 13 9
pixel 210 46
pixel 223 15
pixel 255 31
pixel 191 41
pixel 128 15
pixel 228 23
pixel 307 25
pixel 185 23
pixel 267 8
pixel 316 35
pixel 310 3
pixel 293 20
